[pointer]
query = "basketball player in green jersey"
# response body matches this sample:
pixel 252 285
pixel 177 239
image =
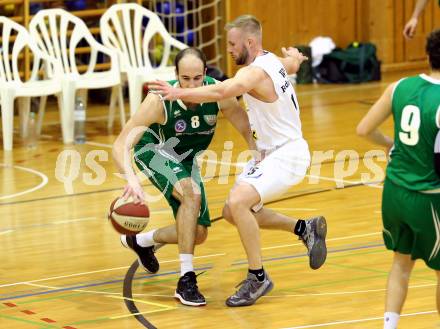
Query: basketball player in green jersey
pixel 411 194
pixel 166 137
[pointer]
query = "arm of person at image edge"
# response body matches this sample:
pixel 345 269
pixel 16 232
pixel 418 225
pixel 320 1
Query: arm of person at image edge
pixel 411 25
pixel 378 113
pixel 150 111
pixel 246 79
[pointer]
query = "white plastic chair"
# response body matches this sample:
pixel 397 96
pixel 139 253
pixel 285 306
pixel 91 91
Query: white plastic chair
pixel 122 29
pixel 58 33
pixel 14 39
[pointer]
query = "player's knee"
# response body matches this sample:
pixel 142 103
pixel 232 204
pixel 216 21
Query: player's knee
pixel 226 214
pixel 190 192
pixel 235 202
pixel 202 234
pixel 404 263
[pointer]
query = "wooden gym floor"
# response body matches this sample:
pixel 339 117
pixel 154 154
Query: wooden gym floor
pixel 62 265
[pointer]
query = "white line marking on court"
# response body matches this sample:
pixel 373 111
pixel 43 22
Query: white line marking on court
pixel 162 306
pixel 73 220
pixel 327 240
pixel 6 232
pixel 63 276
pixel 97 271
pixel 98 292
pixel 139 313
pixel 141 301
pixel 42 286
pixel 357 320
pixel 170 261
pixel 39 186
pixel 347 292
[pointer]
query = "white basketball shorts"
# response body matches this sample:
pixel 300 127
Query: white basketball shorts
pixel 278 171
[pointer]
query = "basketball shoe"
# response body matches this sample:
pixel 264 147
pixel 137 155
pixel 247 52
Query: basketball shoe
pixel 187 291
pixel 146 257
pixel 314 240
pixel 250 290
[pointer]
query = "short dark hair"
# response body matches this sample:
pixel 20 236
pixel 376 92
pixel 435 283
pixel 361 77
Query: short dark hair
pixel 433 49
pixel 190 51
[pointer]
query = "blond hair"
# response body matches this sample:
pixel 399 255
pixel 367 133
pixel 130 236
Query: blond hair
pixel 246 23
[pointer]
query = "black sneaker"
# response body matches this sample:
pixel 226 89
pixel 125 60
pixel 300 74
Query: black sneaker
pixel 187 291
pixel 314 239
pixel 146 257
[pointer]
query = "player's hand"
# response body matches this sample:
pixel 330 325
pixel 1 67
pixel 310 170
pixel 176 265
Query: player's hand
pixel 410 28
pixel 164 89
pixel 295 53
pixel 134 190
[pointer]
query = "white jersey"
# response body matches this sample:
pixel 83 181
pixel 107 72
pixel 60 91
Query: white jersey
pixel 274 124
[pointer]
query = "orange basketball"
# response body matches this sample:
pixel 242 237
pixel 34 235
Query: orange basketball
pixel 127 217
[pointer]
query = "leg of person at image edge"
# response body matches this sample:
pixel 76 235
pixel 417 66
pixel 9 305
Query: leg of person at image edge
pixel 244 209
pixel 186 233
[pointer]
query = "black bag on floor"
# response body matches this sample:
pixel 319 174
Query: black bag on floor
pixel 354 64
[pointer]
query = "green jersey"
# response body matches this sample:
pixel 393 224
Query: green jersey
pixel 416 111
pixel 193 127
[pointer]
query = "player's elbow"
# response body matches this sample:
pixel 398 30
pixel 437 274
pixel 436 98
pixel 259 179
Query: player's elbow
pixel 362 130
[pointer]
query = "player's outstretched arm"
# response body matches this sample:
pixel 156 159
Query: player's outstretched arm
pixel 377 114
pixel 292 59
pixel 239 119
pixel 245 80
pixel 150 111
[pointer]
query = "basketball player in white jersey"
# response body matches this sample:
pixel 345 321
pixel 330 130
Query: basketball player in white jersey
pixel 274 117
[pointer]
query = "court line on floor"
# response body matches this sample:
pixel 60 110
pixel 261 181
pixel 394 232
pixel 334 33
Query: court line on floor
pixel 327 324
pixel 170 296
pixel 97 292
pixel 305 254
pixel 52 223
pixel 44 181
pixel 327 240
pixel 6 232
pixel 86 285
pixel 97 271
pixel 172 260
pixel 40 325
pixel 345 292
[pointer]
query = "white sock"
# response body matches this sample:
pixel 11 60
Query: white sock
pixel 186 263
pixel 146 239
pixel 390 320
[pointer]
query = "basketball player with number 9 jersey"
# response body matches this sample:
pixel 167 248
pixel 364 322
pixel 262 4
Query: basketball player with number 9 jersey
pixel 411 193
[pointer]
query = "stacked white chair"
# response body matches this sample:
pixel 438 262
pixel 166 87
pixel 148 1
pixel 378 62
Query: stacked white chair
pixel 122 29
pixel 14 39
pixel 58 34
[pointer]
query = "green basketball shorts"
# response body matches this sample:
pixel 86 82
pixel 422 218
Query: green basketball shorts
pixel 411 223
pixel 164 173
